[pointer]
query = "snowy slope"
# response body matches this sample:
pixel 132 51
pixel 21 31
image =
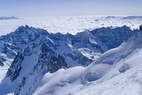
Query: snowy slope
pixel 5 64
pixel 80 49
pixel 123 77
pixel 95 60
pixel 69 24
pixel 128 83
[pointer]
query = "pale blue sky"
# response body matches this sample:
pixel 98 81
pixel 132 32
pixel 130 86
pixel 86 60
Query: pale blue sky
pixel 69 7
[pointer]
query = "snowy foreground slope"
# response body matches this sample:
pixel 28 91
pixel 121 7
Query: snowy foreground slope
pixel 104 61
pixel 123 77
pixel 69 24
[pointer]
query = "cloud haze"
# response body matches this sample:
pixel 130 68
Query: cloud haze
pixel 70 7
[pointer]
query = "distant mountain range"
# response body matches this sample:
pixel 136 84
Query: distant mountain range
pixel 7 18
pixel 133 17
pixel 124 17
pixel 107 17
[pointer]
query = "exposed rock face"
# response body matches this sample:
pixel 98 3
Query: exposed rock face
pixel 47 61
pixel 108 38
pixel 38 52
pixel 50 60
pixel 16 67
pixel 141 27
pixel 96 41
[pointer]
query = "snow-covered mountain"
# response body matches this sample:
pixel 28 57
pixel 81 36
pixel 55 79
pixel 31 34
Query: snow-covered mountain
pixel 66 64
pixel 103 59
pixel 123 77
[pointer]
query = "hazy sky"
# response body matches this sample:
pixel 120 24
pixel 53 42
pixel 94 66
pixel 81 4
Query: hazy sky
pixel 69 7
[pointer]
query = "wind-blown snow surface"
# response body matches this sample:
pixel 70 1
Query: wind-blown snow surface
pixel 121 78
pixel 104 61
pixel 69 24
pixel 116 71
